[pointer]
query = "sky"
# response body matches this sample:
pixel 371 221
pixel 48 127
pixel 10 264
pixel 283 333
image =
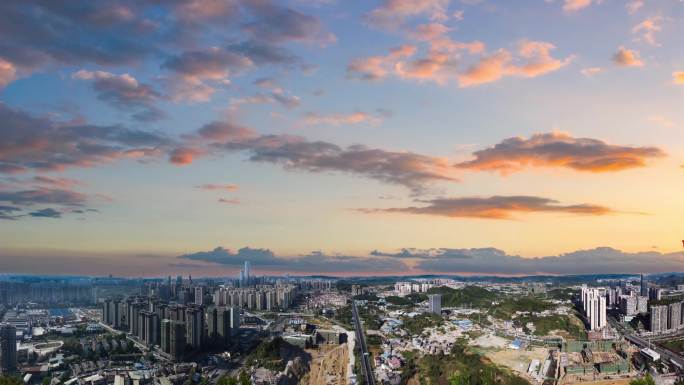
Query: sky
pixel 145 138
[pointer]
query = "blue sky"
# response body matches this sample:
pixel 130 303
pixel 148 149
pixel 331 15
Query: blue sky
pixel 536 128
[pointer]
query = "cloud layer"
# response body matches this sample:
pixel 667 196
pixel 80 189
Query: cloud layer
pixel 601 260
pixel 295 152
pixel 31 143
pixel 495 207
pixel 558 149
pixel 316 262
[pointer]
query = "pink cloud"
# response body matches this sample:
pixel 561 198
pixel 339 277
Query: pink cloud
pixel 634 6
pixel 648 29
pixel 184 155
pixel 430 31
pixel 8 73
pixel 219 187
pixel 441 63
pixel 392 13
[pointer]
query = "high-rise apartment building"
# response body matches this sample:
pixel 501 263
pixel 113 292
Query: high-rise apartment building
pixel 655 293
pixel 173 339
pixel 594 305
pixel 628 305
pixel 194 323
pixel 659 318
pixel 199 295
pixel 8 348
pixel 234 320
pixel 642 304
pixel 674 314
pixel 149 327
pixel 435 303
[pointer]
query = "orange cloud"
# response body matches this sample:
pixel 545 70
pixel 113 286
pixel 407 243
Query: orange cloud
pixel 533 59
pixel 557 149
pixel 377 67
pixel 489 69
pixel 358 117
pixel 495 207
pixel 575 5
pixel 627 58
pixel 678 77
pixel 539 59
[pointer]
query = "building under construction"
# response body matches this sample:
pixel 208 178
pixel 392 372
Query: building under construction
pixel 589 360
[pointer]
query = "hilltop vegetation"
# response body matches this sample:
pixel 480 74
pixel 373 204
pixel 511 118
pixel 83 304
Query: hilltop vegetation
pixel 408 300
pixel 473 296
pixel 545 325
pixel 563 294
pixel 274 354
pixel 415 325
pixel 507 307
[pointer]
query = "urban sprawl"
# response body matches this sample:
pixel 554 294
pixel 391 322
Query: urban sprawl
pixel 251 329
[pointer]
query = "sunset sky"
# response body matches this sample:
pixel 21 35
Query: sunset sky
pixel 145 138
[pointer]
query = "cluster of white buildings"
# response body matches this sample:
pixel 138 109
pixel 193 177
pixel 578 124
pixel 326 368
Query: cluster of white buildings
pixel 594 307
pixel 257 298
pixel 405 288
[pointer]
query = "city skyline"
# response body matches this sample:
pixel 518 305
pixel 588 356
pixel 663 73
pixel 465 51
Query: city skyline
pixel 381 138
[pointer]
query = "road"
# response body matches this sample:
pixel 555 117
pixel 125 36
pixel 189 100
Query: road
pixel 365 357
pixel 642 343
pixel 664 353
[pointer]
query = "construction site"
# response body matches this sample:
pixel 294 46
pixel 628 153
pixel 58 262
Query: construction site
pixel 581 361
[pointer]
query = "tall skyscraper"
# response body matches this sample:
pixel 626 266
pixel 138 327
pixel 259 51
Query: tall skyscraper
pixel 8 348
pixel 247 272
pixel 644 287
pixel 435 303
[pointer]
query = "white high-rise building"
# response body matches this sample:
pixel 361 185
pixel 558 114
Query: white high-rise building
pixel 594 305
